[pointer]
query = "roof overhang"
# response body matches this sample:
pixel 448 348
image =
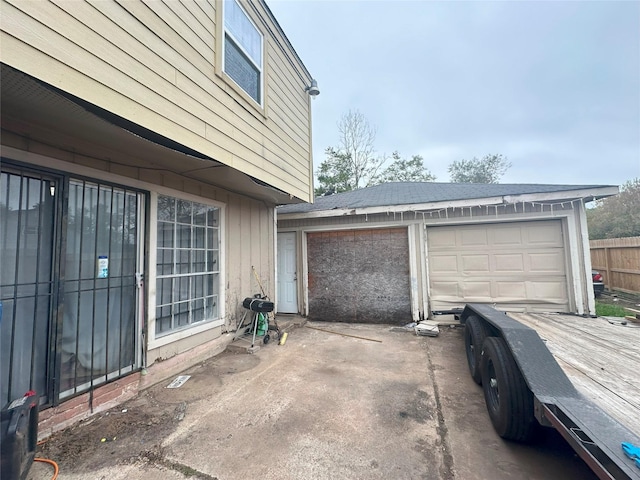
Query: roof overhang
pixel 42 113
pixel 566 196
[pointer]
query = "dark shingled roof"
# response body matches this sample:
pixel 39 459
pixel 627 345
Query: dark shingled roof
pixel 404 193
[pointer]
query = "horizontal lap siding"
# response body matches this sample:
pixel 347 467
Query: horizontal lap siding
pixel 359 276
pixel 153 63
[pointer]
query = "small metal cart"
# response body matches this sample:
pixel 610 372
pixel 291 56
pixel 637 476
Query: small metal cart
pixel 259 321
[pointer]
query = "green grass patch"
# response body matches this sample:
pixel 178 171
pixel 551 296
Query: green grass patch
pixel 608 310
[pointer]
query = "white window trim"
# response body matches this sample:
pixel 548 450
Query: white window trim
pixel 260 68
pixel 167 338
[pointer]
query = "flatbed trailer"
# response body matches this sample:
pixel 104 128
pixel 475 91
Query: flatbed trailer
pixel 524 387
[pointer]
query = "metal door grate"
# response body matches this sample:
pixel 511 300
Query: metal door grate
pixel 99 331
pixel 27 228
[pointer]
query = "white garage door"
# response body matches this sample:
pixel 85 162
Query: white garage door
pixel 518 266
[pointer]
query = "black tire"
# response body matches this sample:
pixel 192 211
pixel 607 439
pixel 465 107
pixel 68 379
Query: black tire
pixel 509 401
pixel 475 331
pixel 266 339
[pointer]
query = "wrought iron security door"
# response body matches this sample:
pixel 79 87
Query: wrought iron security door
pixel 102 244
pixel 27 239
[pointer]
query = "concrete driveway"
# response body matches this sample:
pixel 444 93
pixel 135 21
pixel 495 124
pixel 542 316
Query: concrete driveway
pixel 388 405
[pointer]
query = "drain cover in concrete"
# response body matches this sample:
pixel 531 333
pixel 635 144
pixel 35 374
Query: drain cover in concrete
pixel 179 381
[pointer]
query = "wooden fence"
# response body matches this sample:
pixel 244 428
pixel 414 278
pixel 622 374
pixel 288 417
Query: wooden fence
pixel 618 260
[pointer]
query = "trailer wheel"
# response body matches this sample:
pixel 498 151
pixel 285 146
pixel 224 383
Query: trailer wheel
pixel 509 400
pixel 475 331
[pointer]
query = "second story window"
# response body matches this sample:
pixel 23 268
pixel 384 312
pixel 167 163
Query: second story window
pixel 242 50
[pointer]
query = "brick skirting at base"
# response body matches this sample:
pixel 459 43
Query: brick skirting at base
pixel 112 394
pixel 78 408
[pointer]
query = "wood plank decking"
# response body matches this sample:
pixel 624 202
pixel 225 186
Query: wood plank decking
pixel 600 357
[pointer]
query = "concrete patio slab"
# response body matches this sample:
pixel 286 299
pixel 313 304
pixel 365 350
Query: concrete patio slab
pixel 376 404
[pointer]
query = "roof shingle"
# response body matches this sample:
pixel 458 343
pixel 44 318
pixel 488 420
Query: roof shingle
pixel 404 193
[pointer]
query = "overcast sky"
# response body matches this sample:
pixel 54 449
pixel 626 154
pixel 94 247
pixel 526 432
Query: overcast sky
pixel 553 86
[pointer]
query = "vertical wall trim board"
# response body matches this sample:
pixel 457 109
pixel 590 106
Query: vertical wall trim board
pixel 305 269
pixel 413 273
pixel 587 280
pixel 570 221
pixel 275 257
pixel 424 287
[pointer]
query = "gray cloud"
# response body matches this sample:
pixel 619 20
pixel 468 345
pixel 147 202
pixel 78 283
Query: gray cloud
pixel 555 86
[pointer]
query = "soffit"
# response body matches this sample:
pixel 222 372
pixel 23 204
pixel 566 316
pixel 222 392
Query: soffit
pixel 45 114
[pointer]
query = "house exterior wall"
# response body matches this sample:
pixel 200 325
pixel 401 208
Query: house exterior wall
pixel 134 96
pixel 158 64
pixel 249 236
pixel 570 213
pixel 248 240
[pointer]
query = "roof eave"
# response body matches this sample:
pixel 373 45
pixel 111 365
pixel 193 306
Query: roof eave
pixel 586 194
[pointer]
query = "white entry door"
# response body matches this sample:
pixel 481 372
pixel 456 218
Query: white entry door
pixel 287 275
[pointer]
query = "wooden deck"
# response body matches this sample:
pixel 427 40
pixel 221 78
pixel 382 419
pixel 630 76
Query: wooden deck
pixel 601 359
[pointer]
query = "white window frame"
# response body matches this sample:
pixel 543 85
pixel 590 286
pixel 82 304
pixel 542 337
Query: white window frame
pixel 194 329
pixel 239 45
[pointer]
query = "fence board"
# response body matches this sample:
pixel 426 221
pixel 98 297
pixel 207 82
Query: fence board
pixel 618 260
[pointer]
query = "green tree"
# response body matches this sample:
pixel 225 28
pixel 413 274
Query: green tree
pixel 618 216
pixel 489 169
pixel 334 174
pixel 406 170
pixel 353 163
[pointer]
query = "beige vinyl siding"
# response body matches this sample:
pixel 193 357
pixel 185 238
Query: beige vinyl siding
pixel 281 79
pixel 154 64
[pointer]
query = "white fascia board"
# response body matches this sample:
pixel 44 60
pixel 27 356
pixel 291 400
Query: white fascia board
pixel 568 195
pixel 411 207
pixel 585 193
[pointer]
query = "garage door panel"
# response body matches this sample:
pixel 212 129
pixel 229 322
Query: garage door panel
pixel 547 262
pixel 509 262
pixel 517 265
pixel 479 291
pixel 475 263
pixel 549 291
pixel 444 263
pixel 449 290
pixel 507 236
pixel 442 239
pixel 474 237
pixel 545 235
pixel 511 291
